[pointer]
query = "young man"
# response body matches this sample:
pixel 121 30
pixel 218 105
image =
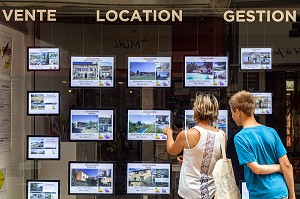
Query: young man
pixel 260 149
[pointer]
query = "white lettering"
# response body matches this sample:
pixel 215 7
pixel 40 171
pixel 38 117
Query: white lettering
pixel 7 16
pixel 19 15
pixel 98 16
pixel 115 15
pixel 274 16
pixel 291 16
pixel 30 15
pixel 147 12
pixel 51 16
pixel 268 16
pixel 240 15
pixel 136 15
pixel 229 16
pixel 250 16
pixel 41 13
pixel 177 15
pixel 121 15
pixel 260 14
pixel 167 15
pixel 154 15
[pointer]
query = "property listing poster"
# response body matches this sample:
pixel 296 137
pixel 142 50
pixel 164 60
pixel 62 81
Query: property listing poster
pixel 43 58
pixel 43 103
pixel 256 58
pixel 5 115
pixel 221 122
pixel 206 71
pixel 92 71
pixel 91 178
pixel 43 189
pixel 5 54
pixel 147 124
pixel 263 103
pixel 149 71
pixel 148 178
pixel 92 125
pixel 43 147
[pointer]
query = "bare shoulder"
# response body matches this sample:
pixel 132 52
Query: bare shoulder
pixel 191 131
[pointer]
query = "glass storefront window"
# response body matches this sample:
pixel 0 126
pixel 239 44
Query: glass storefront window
pixel 121 81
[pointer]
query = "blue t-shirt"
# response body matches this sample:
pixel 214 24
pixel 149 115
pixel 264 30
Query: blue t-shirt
pixel 261 144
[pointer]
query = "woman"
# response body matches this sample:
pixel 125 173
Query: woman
pixel 201 150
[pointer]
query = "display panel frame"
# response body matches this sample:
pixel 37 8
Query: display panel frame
pixel 91 163
pixel 156 83
pixel 223 113
pixel 255 66
pixel 261 110
pixel 58 147
pixel 113 73
pixel 42 181
pixel 41 48
pixel 156 136
pixel 58 101
pixel 99 110
pixel 156 190
pixel 214 78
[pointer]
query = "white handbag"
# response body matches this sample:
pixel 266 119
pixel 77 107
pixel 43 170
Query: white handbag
pixel 223 175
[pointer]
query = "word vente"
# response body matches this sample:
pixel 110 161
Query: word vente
pixel 25 15
pixel 262 15
pixel 126 15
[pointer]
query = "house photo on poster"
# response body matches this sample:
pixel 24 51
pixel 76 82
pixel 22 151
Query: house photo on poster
pixel 206 71
pixel 43 147
pixel 149 71
pixel 91 125
pixel 147 124
pixel 91 178
pixel 6 54
pixel 92 71
pixel 43 103
pixel 43 189
pixel 256 58
pixel 263 103
pixel 148 178
pixel 43 58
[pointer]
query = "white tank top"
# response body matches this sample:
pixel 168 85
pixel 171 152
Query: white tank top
pixel 196 179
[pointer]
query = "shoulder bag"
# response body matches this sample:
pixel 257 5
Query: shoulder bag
pixel 224 177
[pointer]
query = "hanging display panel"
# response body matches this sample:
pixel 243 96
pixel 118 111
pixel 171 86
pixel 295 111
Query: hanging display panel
pixel 206 71
pixel 148 178
pixel 41 147
pixel 149 71
pixel 91 178
pixel 147 124
pixel 91 124
pixel 92 72
pixel 43 58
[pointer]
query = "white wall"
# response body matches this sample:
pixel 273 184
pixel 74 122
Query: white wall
pixel 11 159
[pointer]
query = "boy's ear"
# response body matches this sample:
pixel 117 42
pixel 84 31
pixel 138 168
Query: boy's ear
pixel 237 111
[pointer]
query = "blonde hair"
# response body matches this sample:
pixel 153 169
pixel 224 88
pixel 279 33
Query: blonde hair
pixel 243 101
pixel 206 107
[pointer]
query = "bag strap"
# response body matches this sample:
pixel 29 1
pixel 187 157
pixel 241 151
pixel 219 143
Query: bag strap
pixel 222 141
pixel 186 138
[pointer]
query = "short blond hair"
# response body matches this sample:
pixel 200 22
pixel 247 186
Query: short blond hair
pixel 243 101
pixel 206 107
